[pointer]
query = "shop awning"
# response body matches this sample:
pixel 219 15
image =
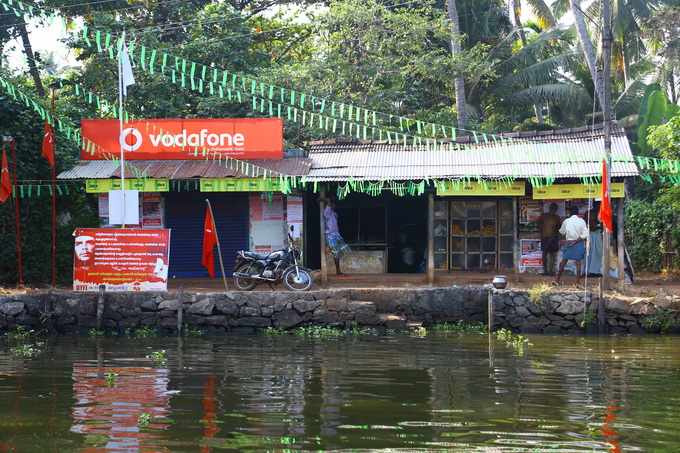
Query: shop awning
pixel 569 153
pixel 186 169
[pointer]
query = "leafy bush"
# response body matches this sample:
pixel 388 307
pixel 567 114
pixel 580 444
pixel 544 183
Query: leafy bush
pixel 648 224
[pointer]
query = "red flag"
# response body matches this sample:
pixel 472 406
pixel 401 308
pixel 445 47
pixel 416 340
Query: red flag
pixel 5 183
pixel 48 144
pixel 606 214
pixel 209 241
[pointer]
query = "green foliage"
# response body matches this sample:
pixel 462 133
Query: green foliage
pixel 460 326
pixel 74 209
pixel 417 332
pixel 663 319
pixel 26 344
pixel 648 224
pixel 111 377
pixel 94 333
pixel 666 138
pixel 141 332
pixel 517 342
pixel 589 319
pixel 144 420
pixel 156 356
pixel 538 295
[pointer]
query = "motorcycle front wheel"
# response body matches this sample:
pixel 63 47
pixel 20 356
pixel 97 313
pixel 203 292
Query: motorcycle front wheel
pixel 297 280
pixel 245 284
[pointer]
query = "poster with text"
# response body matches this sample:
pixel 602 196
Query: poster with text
pixel 531 253
pixel 122 259
pixel 529 209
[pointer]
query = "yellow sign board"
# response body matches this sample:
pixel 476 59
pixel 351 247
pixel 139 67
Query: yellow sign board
pixel 240 185
pixel 142 185
pixel 571 191
pixel 490 188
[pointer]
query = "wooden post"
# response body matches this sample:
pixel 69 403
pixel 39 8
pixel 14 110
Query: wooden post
pixel 322 225
pixel 430 238
pixel 620 246
pixel 180 308
pixel 100 307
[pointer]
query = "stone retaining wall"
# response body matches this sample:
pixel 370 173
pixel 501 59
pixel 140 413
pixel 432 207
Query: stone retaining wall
pixel 395 309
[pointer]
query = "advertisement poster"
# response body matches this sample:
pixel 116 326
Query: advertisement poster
pixel 529 209
pixel 151 210
pixel 531 253
pixel 561 207
pixel 121 259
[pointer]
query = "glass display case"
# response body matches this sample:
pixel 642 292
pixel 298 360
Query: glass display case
pixel 441 234
pixel 481 234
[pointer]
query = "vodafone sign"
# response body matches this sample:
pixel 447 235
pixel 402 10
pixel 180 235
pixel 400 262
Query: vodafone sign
pixel 243 138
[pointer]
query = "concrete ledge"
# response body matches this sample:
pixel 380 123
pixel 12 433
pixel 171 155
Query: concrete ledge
pixel 393 309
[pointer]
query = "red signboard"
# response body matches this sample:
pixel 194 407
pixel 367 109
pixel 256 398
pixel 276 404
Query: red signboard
pixel 121 259
pixel 176 139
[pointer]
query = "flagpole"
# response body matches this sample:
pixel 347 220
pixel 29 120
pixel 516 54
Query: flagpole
pixel 120 116
pixel 217 238
pixel 606 110
pixel 54 206
pixel 17 224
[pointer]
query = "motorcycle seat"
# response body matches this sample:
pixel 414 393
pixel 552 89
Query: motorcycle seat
pixel 255 255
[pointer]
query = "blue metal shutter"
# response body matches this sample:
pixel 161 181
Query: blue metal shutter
pixel 185 216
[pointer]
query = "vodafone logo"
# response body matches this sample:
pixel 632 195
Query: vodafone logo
pixel 192 138
pixel 136 140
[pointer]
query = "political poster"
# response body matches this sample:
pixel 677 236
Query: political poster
pixel 121 259
pixel 531 253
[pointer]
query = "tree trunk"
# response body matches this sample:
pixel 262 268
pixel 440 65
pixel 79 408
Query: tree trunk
pixel 588 49
pixel 32 68
pixel 459 83
pixel 517 11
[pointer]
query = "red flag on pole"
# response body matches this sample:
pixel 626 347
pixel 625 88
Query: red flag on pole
pixel 209 241
pixel 5 182
pixel 606 214
pixel 48 144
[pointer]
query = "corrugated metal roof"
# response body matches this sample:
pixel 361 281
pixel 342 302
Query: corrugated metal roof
pixel 186 169
pixel 559 154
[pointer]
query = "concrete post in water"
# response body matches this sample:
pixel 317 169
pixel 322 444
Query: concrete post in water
pixel 180 308
pixel 490 309
pixel 430 238
pixel 100 306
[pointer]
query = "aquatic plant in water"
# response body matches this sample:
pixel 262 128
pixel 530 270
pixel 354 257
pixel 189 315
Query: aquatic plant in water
pixel 517 342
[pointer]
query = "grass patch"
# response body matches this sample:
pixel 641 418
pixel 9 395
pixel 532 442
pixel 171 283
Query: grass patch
pixel 538 295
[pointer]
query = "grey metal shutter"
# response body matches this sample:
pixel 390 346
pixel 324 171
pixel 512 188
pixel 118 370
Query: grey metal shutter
pixel 185 216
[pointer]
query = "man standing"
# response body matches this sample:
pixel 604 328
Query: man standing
pixel 334 241
pixel 575 231
pixel 549 223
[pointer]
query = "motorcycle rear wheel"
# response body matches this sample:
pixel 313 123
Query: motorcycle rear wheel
pixel 295 282
pixel 245 284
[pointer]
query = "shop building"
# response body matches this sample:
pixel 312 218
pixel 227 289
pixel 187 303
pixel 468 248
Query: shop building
pixel 250 210
pixel 466 205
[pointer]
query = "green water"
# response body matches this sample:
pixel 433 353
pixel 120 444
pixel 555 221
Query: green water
pixel 392 393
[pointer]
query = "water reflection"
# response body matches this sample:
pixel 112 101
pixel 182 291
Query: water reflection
pixel 438 393
pixel 110 411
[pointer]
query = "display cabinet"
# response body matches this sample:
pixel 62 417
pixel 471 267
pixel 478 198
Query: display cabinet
pixel 482 234
pixel 441 234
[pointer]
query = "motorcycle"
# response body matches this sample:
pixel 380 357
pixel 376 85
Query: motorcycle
pixel 281 265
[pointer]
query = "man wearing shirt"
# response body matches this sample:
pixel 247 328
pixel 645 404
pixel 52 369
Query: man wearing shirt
pixel 334 242
pixel 575 231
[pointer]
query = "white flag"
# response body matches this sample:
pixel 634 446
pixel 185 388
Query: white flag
pixel 128 78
